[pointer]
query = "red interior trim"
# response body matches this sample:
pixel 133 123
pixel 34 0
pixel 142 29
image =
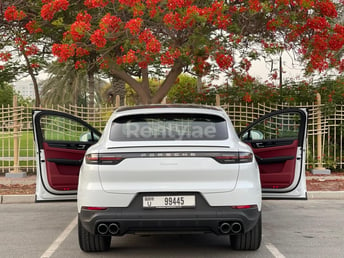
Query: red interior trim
pixel 277 175
pixel 62 177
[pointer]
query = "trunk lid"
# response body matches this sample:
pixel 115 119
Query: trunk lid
pixel 180 169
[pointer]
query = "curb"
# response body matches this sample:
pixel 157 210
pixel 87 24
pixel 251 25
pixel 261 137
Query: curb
pixel 11 199
pixel 312 195
pixel 325 195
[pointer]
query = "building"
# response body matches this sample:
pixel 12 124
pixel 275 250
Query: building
pixel 25 88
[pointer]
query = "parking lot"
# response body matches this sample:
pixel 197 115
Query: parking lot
pixel 312 228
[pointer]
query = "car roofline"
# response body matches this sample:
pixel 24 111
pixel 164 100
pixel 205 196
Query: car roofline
pixel 153 106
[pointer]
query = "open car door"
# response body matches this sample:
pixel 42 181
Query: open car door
pixel 278 141
pixel 61 141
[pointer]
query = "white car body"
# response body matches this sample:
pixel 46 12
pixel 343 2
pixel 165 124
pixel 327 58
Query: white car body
pixel 171 168
pixel 220 184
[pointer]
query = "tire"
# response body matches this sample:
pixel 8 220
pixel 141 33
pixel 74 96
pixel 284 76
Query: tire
pixel 90 242
pixel 250 240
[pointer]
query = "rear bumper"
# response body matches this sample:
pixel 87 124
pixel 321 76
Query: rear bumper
pixel 202 218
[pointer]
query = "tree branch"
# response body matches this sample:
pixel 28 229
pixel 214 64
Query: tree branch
pixel 168 83
pixel 133 83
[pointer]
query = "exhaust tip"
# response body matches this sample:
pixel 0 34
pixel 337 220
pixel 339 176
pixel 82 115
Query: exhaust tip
pixel 102 229
pixel 113 229
pixel 225 228
pixel 236 227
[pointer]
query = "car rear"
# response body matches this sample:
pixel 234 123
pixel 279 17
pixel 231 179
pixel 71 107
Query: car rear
pixel 169 169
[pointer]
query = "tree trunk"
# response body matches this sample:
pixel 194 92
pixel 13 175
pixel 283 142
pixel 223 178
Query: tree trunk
pixel 91 87
pixel 91 71
pixel 74 91
pixel 142 89
pixel 34 80
pixel 199 84
pixel 144 94
pixel 168 83
pixel 118 88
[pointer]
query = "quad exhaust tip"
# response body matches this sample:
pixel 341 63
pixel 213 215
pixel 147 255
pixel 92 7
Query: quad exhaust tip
pixel 104 229
pixel 113 229
pixel 236 227
pixel 227 228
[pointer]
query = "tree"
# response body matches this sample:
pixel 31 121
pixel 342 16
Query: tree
pixel 6 94
pixel 135 40
pixel 68 86
pixel 117 89
pixel 22 49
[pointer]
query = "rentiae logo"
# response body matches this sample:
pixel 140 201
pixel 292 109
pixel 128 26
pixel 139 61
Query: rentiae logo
pixel 170 131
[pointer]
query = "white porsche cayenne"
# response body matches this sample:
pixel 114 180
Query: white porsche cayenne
pixel 173 168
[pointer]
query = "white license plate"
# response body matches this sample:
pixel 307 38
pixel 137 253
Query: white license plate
pixel 170 201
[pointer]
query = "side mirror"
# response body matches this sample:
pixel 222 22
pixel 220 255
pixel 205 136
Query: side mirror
pixel 252 135
pixel 89 137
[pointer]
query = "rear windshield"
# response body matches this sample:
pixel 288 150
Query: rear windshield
pixel 169 127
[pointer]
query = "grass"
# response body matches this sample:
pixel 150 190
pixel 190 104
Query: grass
pixel 26 144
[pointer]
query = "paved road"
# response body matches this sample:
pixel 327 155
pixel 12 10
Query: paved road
pixel 312 228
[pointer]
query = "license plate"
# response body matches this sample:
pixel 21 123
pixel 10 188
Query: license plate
pixel 170 201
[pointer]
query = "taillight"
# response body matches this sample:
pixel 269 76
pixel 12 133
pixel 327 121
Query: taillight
pixel 241 207
pixel 234 157
pixel 103 159
pixel 92 158
pixel 221 157
pixel 90 208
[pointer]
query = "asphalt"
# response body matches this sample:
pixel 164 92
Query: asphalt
pixel 30 198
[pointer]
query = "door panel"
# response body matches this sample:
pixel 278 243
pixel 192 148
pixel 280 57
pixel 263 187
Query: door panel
pixel 63 172
pixel 61 143
pixel 276 165
pixel 278 142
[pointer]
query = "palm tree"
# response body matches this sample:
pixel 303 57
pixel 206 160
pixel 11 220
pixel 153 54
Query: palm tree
pixel 117 88
pixel 68 86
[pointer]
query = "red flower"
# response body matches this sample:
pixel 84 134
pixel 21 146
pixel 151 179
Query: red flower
pixel 319 43
pixel 134 25
pixel 130 3
pixel 63 51
pixel 174 21
pixel 110 23
pixel 169 57
pixel 5 56
pixel 35 65
pixel 80 64
pixel 21 43
pixel 130 57
pixel 245 64
pixel 84 17
pixel 78 30
pixel 341 66
pixel 174 4
pixel 66 51
pixel 103 64
pixel 31 50
pixel 98 38
pixel 153 46
pixel 318 23
pixel 336 41
pixel 79 52
pixel 96 3
pixel 339 29
pixel 327 8
pixel 247 98
pixel 274 76
pixel 224 61
pixel 51 7
pixel 12 14
pixel 255 5
pixel 33 27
